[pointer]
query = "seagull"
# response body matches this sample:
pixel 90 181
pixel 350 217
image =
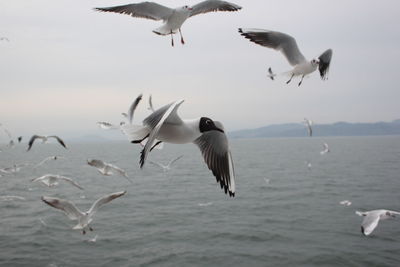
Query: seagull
pixel 167 167
pixel 48 159
pixel 92 240
pixel 326 149
pixel 309 165
pixel 345 203
pixel 173 18
pixel 12 198
pixel 14 169
pixel 150 104
pixel 73 213
pixel 44 140
pixel 166 126
pixel 106 168
pixel 271 75
pixel 4 39
pixel 308 124
pixel 288 46
pixel 19 139
pixel 371 219
pixel 51 180
pixel 107 126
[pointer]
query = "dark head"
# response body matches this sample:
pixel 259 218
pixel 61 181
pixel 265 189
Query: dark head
pixel 207 124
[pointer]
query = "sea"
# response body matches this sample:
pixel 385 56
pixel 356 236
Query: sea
pixel 286 211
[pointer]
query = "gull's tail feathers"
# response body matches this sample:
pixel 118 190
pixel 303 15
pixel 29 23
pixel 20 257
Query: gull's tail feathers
pixel 135 132
pixel 163 30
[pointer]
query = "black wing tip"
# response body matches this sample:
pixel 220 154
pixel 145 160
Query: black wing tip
pixel 141 162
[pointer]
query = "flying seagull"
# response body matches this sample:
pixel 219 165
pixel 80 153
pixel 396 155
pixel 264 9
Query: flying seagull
pixel 106 125
pixel 48 159
pixel 288 46
pixel 51 180
pixel 326 149
pixel 44 140
pixel 166 126
pixel 73 213
pixel 371 219
pixel 345 203
pixel 14 169
pixel 308 123
pixel 167 167
pixel 106 168
pixel 173 18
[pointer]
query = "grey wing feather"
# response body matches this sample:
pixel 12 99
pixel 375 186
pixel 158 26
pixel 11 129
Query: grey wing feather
pixel 151 103
pixel 69 180
pixel 133 107
pixel 276 40
pixel 324 63
pixel 215 150
pixel 67 207
pixel 118 169
pixel 148 10
pixel 96 163
pixel 213 5
pixel 103 200
pixel 155 121
pixel 32 140
pixel 59 140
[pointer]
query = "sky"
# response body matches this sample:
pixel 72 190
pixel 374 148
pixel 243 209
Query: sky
pixel 67 66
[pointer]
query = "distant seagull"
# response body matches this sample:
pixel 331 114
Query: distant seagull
pixel 92 240
pixel 12 198
pixel 106 168
pixel 345 203
pixel 44 140
pixel 371 219
pixel 326 149
pixel 48 159
pixel 51 180
pixel 308 123
pixel 309 165
pixel 11 142
pixel 151 104
pixel 173 18
pixel 288 46
pixel 106 125
pixel 205 204
pixel 166 126
pixel 73 213
pixel 271 75
pixel 14 169
pixel 167 167
pixel 19 139
pixel 4 39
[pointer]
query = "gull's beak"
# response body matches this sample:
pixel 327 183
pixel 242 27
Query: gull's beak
pixel 218 129
pixel 190 8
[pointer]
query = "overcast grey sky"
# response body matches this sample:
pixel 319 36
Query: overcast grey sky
pixel 67 67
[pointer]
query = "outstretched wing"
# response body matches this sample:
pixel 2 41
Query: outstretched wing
pixel 32 140
pixel 276 40
pixel 215 150
pixel 59 140
pixel 96 163
pixel 67 207
pixel 324 63
pixel 103 200
pixel 213 5
pixel 69 180
pixel 133 107
pixel 369 223
pixel 155 121
pixel 147 10
pixel 151 104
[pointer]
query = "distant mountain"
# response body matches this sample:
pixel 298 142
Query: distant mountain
pixel 335 129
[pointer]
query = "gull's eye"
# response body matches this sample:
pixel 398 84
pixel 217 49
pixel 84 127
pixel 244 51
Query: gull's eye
pixel 208 122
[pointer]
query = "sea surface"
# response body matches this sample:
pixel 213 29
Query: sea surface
pixel 284 213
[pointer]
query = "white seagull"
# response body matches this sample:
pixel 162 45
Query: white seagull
pixel 14 168
pixel 107 126
pixel 371 219
pixel 44 140
pixel 167 167
pixel 326 149
pixel 345 203
pixel 288 46
pixel 166 126
pixel 48 159
pixel 173 18
pixel 308 123
pixel 51 180
pixel 106 168
pixel 73 213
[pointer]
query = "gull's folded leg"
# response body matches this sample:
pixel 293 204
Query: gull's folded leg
pixel 290 79
pixel 180 32
pixel 302 77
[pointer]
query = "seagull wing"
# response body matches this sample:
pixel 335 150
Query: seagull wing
pixel 59 140
pixel 213 5
pixel 151 103
pixel 215 150
pixel 69 180
pixel 118 169
pixel 276 40
pixel 369 223
pixel 67 207
pixel 167 114
pixel 133 107
pixel 156 164
pixel 324 63
pixel 147 10
pixel 32 140
pixel 96 163
pixel 103 200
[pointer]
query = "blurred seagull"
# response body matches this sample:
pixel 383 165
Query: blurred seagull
pixel 48 159
pixel 44 140
pixel 4 39
pixel 173 18
pixel 106 168
pixel 52 180
pixel 151 104
pixel 288 46
pixel 371 219
pixel 73 213
pixel 19 139
pixel 11 198
pixel 92 240
pixel 309 165
pixel 326 149
pixel 167 167
pixel 106 125
pixel 308 123
pixel 14 169
pixel 345 203
pixel 166 126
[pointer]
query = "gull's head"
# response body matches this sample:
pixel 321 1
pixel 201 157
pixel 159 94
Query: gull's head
pixel 315 62
pixel 186 8
pixel 207 124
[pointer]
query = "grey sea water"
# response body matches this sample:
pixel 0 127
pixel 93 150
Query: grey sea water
pixel 183 218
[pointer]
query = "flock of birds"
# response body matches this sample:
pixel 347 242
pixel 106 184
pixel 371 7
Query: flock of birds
pixel 164 125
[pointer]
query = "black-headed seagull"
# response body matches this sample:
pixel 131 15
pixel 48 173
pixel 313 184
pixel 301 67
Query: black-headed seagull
pixel 371 219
